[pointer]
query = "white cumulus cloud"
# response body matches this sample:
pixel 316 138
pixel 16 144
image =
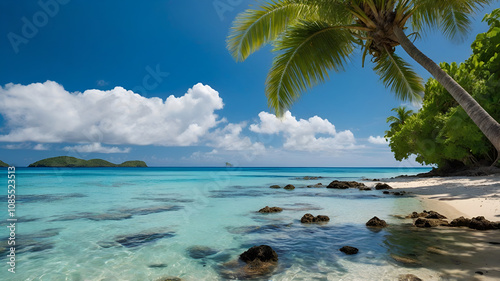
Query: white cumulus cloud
pixel 96 148
pixel 305 135
pixel 230 138
pixel 47 113
pixel 377 140
pixel 41 146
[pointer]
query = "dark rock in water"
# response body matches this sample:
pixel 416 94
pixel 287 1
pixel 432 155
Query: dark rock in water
pixel 423 222
pixel 262 253
pixel 309 178
pixel 480 223
pixel 376 222
pixel 308 218
pixel 380 186
pixel 386 192
pixel 199 252
pixel 289 187
pixel 479 272
pixel 135 240
pixel 348 250
pixel 364 188
pixel 461 221
pixel 275 186
pixel 316 185
pixel 107 244
pixel 408 277
pixel 427 215
pixel 346 184
pixel 434 215
pixel 268 209
pixel 158 265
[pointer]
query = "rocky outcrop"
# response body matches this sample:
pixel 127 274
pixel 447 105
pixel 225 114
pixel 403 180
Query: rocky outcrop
pixel 268 209
pixel 275 186
pixel 461 221
pixel 426 214
pixel 381 186
pixel 395 193
pixel 423 222
pixel 289 187
pixel 262 254
pixel 376 222
pixel 346 184
pixel 478 223
pixel 308 218
pixel 348 250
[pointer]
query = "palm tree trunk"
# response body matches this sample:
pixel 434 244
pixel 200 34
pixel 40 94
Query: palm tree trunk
pixel 483 120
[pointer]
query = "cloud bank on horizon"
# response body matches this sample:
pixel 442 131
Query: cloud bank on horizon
pixel 46 113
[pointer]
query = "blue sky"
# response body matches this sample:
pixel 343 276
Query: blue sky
pixel 154 81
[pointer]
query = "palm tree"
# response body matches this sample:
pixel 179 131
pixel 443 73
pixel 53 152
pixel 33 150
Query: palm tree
pixel 402 114
pixel 313 37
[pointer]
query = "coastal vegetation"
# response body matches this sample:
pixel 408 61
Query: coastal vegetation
pixel 67 161
pixel 313 37
pixel 3 164
pixel 441 133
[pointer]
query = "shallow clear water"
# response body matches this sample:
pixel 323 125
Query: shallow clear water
pixel 139 224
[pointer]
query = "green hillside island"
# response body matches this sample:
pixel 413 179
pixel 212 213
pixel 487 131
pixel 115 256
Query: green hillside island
pixel 3 164
pixel 66 161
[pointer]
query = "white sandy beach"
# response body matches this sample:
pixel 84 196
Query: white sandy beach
pixel 468 197
pixel 456 196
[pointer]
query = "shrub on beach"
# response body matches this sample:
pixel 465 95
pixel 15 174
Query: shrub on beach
pixel 441 133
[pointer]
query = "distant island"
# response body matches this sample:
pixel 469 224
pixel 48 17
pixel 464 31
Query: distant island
pixel 70 162
pixel 3 164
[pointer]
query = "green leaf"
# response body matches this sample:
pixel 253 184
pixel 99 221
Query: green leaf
pixel 307 52
pixel 256 27
pixel 397 74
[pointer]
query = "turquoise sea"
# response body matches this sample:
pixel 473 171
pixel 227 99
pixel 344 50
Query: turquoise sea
pixel 152 223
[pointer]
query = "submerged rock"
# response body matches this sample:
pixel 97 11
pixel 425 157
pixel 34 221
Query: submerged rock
pixel 168 278
pixel 309 178
pixel 268 209
pixel 408 277
pixel 380 186
pixel 289 187
pixel 376 222
pixel 135 240
pixel 405 260
pixel 158 265
pixel 348 250
pixel 199 252
pixel 308 218
pixel 275 186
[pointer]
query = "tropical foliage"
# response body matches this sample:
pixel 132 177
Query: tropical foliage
pixel 402 114
pixel 313 37
pixel 441 132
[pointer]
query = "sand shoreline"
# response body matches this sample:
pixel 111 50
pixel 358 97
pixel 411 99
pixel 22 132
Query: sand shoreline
pixel 456 196
pixel 468 197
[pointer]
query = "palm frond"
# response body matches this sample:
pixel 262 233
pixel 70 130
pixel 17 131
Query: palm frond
pixel 397 74
pixel 307 52
pixel 451 16
pixel 256 27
